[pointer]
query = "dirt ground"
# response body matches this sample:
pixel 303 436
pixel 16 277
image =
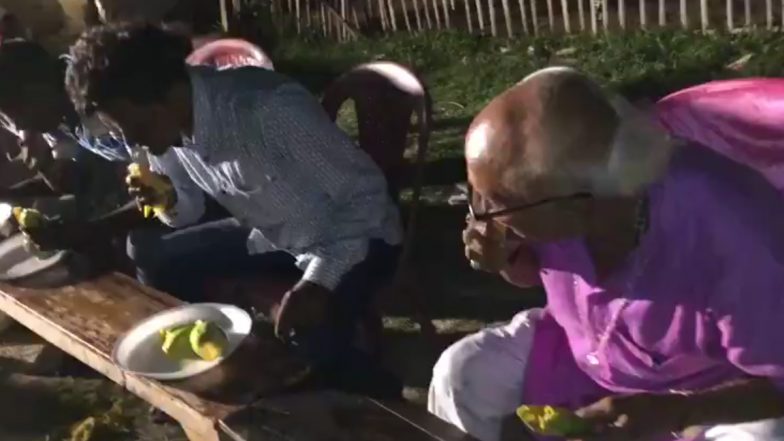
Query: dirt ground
pixel 43 395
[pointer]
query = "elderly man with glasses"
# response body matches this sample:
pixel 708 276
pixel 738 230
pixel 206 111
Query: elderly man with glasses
pixel 663 265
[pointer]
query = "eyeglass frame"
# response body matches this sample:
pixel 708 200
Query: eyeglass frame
pixel 493 214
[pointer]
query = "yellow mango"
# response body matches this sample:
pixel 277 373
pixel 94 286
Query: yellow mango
pixel 552 421
pixel 208 340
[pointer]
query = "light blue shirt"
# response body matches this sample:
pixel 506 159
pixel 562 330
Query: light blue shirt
pixel 265 149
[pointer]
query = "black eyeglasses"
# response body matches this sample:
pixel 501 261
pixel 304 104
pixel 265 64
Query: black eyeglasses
pixel 492 214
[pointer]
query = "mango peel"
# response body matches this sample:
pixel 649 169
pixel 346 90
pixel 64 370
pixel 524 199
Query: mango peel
pixel 200 340
pixel 553 421
pixel 27 218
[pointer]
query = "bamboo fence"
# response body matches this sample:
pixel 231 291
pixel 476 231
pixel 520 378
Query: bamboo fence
pixel 348 19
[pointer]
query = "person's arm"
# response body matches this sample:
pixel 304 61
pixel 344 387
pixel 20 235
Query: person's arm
pixel 349 191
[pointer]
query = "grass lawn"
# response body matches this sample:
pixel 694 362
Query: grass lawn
pixel 464 72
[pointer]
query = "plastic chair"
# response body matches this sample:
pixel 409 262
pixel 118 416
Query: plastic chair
pixel 227 53
pixel 385 96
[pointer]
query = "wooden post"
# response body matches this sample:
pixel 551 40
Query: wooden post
pixel 308 15
pixel 368 11
pixel 417 15
pixel 550 16
pixel 524 16
pixel 355 17
pixel 643 14
pixel 344 16
pixel 507 17
pixel 480 15
pixel 662 13
pixel 704 18
pixel 581 13
pixel 622 14
pixel 534 17
pixel 769 13
pixel 436 14
pixel 323 12
pixel 594 18
pixel 447 21
pixel 224 15
pixel 730 15
pixel 392 15
pixel 747 10
pixel 297 16
pixel 427 15
pixel 684 15
pixel 405 16
pixel 566 19
pixel 606 15
pixel 382 15
pixel 291 6
pixel 491 11
pixel 467 4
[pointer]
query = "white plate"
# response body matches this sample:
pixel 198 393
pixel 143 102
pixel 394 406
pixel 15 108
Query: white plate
pixel 17 263
pixel 139 350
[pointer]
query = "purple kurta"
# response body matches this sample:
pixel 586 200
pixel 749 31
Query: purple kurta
pixel 705 293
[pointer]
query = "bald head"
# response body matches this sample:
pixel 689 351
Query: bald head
pixel 554 132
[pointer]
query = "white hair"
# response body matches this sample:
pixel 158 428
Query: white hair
pixel 638 156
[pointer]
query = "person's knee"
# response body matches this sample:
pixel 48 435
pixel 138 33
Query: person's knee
pixel 456 367
pixel 141 246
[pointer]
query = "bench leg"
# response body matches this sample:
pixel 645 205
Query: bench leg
pixel 200 436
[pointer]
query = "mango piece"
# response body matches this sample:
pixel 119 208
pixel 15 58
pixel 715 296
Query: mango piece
pixel 148 179
pixel 176 344
pixel 552 421
pixel 27 218
pixel 208 340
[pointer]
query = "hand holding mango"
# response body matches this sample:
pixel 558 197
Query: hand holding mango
pixel 30 221
pixel 552 421
pixel 199 340
pixel 154 192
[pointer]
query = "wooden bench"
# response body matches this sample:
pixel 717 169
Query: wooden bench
pixel 86 318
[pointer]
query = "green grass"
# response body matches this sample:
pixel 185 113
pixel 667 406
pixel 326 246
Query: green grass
pixel 464 72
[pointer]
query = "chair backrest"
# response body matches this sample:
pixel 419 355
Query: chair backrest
pixel 385 96
pixel 230 53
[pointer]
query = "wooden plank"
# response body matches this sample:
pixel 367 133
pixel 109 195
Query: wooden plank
pixel 581 13
pixel 643 14
pixel 491 12
pixel 427 15
pixel 436 13
pixel 594 18
pixel 507 18
pixel 297 15
pixel 747 12
pixel 704 18
pixel 524 16
pixel 355 17
pixel 550 16
pixel 730 15
pixel 606 15
pixel 323 13
pixel 469 21
pixel 382 14
pixel 309 15
pixel 622 14
pixel 83 321
pixel 662 13
pixel 566 19
pixel 684 14
pixel 534 17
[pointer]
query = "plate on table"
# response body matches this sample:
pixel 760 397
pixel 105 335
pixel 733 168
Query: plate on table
pixel 17 263
pixel 139 350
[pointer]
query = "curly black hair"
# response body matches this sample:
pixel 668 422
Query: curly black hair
pixel 25 64
pixel 138 62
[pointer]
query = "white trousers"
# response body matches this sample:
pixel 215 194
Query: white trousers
pixel 479 380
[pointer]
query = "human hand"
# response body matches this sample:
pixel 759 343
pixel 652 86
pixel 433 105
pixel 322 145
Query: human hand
pixel 638 417
pixel 485 246
pixel 150 189
pixel 304 305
